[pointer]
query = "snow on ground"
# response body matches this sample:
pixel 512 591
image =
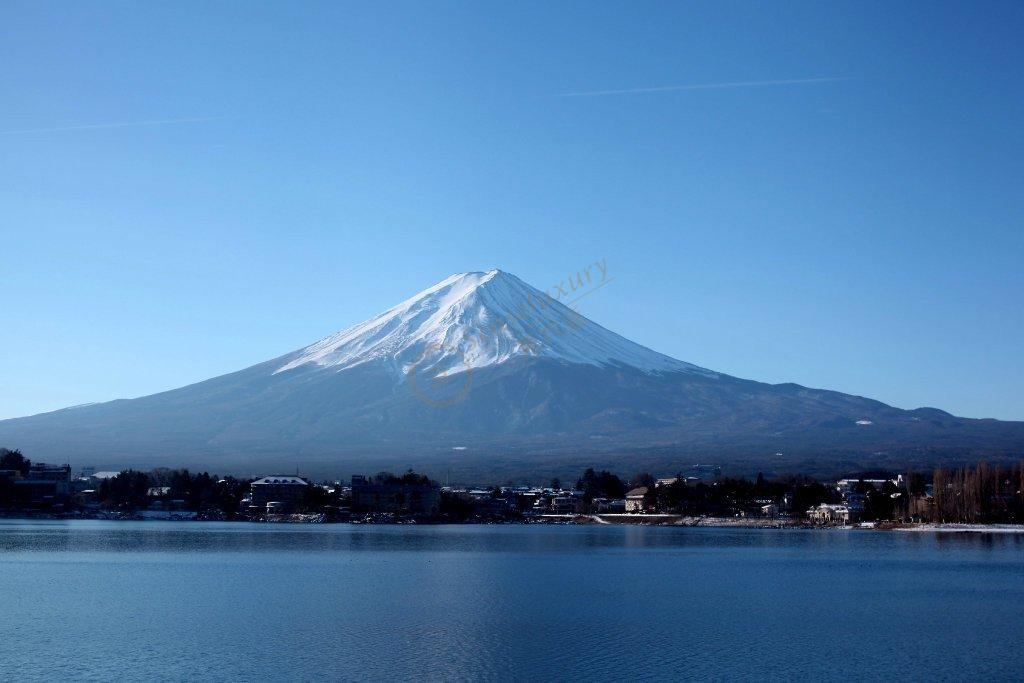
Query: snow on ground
pixel 967 528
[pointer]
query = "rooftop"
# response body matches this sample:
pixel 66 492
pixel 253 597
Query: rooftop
pixel 282 479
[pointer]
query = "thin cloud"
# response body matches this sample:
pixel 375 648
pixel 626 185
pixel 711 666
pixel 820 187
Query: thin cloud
pixel 121 124
pixel 703 86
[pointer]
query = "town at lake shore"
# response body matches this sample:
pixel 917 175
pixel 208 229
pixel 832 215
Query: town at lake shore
pixel 967 498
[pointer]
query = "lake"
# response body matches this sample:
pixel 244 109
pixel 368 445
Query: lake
pixel 227 601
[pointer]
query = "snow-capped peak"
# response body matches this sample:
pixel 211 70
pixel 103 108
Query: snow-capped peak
pixel 475 320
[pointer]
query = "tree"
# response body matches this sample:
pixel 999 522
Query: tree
pixel 125 491
pixel 14 460
pixel 642 479
pixel 808 493
pixel 602 484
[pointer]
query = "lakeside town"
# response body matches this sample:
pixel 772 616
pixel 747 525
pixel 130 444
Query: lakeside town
pixel 698 496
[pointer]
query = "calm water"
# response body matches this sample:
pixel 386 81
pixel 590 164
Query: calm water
pixel 176 601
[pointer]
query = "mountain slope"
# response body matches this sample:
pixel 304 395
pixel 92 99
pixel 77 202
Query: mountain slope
pixel 484 374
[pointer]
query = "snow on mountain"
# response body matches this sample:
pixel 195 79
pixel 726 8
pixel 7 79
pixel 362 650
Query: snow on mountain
pixel 475 320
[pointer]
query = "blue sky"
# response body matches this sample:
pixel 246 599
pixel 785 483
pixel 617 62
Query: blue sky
pixel 190 188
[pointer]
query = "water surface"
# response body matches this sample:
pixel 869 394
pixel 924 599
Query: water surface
pixel 191 600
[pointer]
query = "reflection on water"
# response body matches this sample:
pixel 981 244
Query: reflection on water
pixel 158 600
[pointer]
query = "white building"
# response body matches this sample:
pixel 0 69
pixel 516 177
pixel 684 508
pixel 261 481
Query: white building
pixel 829 514
pixel 635 499
pixel 284 490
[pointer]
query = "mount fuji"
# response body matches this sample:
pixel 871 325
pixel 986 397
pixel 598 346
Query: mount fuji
pixel 483 375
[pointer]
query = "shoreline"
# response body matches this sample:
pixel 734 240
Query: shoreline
pixel 964 528
pixel 659 520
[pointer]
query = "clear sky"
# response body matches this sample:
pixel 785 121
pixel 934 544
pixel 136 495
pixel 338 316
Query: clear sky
pixel 190 188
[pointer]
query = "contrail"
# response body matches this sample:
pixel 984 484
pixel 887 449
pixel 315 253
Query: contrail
pixel 702 86
pixel 123 124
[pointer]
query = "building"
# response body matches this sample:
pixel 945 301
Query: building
pixel 609 505
pixel 395 495
pixel 635 499
pixel 567 503
pixel 528 499
pixel 44 485
pixel 7 479
pixel 829 514
pixel 850 484
pixel 284 491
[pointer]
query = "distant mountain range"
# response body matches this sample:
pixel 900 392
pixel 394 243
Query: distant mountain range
pixel 482 375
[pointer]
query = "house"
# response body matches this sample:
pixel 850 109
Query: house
pixel 668 481
pixel 829 514
pixel 285 491
pixel 635 499
pixel 770 510
pixel 567 503
pixel 397 495
pixel 609 505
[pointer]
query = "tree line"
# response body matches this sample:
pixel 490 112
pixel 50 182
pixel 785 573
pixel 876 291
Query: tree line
pixel 132 489
pixel 981 494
